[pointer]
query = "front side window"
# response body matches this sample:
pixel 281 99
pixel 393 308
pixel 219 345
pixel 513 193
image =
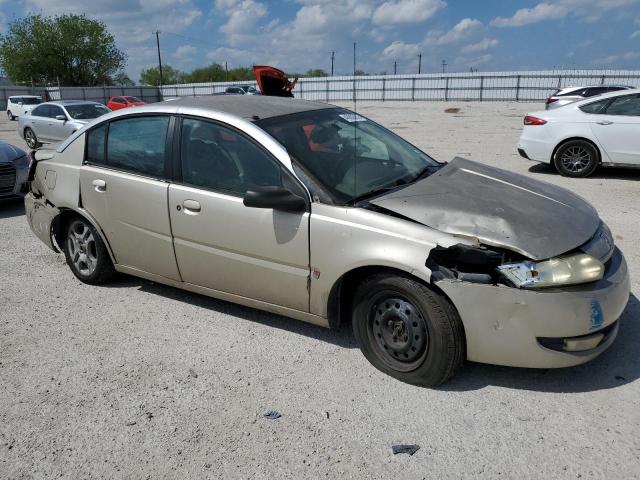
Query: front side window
pixel 138 145
pixel 118 100
pixel 54 111
pixel 218 158
pixel 628 105
pixel 40 111
pixel 132 99
pixel 351 156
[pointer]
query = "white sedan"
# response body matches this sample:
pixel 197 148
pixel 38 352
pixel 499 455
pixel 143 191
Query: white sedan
pixel 581 136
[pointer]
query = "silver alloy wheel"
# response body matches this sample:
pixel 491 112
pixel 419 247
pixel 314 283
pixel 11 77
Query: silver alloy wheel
pixel 30 138
pixel 576 159
pixel 82 248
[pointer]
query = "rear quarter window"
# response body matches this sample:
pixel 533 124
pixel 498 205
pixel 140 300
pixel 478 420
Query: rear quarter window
pixel 95 145
pixel 595 107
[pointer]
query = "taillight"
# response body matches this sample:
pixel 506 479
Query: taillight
pixel 530 120
pixel 551 100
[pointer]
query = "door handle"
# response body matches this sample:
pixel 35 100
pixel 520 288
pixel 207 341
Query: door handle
pixel 191 206
pixel 604 122
pixel 100 185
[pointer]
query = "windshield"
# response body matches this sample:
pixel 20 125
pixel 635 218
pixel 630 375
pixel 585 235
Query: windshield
pixel 31 101
pixel 351 156
pixel 132 99
pixel 86 111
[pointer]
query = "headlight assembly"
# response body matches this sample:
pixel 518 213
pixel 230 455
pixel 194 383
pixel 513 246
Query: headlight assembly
pixel 567 270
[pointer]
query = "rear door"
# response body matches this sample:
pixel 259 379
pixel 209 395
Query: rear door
pixel 57 130
pixel 618 129
pixel 123 185
pixel 261 254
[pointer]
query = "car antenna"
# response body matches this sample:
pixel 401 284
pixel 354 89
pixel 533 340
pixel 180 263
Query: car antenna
pixel 355 127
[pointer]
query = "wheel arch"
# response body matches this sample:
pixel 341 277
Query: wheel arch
pixel 341 294
pixel 570 139
pixel 59 223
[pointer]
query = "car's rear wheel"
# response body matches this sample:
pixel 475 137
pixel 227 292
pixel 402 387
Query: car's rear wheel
pixel 10 115
pixel 31 139
pixel 408 330
pixel 576 158
pixel 86 254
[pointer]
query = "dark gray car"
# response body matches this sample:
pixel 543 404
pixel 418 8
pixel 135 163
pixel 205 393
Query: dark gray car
pixel 14 169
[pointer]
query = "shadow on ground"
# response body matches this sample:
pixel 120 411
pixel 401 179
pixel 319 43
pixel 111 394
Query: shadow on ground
pixel 617 366
pixel 617 173
pixel 11 207
pixel 342 337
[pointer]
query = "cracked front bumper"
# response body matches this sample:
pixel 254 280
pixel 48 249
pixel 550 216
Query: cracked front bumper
pixel 508 326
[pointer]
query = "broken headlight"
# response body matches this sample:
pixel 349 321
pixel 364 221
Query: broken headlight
pixel 567 270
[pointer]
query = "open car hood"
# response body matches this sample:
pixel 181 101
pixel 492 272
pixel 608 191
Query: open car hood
pixel 273 82
pixel 499 208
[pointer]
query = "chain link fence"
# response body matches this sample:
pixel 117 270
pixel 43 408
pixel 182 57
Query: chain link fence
pixel 494 86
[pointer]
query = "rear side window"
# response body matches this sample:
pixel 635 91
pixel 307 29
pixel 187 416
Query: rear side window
pixel 40 111
pixel 95 145
pixel 628 105
pixel 590 92
pixel 595 107
pixel 138 145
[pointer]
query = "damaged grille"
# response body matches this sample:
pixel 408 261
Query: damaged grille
pixel 7 179
pixel 601 245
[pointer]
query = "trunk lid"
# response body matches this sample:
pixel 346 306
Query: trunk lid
pixel 497 207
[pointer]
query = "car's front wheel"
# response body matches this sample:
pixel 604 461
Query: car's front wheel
pixel 10 115
pixel 86 253
pixel 576 158
pixel 408 330
pixel 31 139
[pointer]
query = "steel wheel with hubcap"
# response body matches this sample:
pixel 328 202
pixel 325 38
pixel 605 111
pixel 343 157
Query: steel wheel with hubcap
pixel 10 115
pixel 576 158
pixel 85 252
pixel 408 330
pixel 30 138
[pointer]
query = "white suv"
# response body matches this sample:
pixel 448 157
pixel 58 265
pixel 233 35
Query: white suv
pixel 19 105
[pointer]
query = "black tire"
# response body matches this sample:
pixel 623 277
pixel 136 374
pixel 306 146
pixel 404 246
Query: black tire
pixel 96 266
pixel 577 159
pixel 31 139
pixel 10 115
pixel 408 330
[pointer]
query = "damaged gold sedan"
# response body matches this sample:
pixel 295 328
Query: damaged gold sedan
pixel 317 213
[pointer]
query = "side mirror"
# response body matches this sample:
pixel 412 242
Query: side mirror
pixel 278 198
pixel 61 117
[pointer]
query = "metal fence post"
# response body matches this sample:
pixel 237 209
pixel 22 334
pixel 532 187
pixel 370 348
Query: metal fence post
pixel 602 80
pixel 84 93
pixel 194 90
pixel 446 89
pixel 413 89
pixel 559 82
pixel 518 89
pixel 481 86
pixel 327 89
pixel 384 87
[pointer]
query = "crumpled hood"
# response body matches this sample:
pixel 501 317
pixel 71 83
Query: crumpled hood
pixel 497 207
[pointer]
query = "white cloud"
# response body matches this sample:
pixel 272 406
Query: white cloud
pixel 406 11
pixel 401 50
pixel 481 46
pixel 635 34
pixel 616 58
pixel 589 10
pixel 465 28
pixel 244 16
pixel 184 52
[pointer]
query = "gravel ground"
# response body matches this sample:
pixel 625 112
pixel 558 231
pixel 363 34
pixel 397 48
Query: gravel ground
pixel 139 380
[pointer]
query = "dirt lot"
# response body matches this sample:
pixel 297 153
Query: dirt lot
pixel 138 380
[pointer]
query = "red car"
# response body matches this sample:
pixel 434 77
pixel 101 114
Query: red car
pixel 116 103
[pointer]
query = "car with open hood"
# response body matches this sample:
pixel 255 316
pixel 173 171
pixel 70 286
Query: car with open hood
pixel 317 213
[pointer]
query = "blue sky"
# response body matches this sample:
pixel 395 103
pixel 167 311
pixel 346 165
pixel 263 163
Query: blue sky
pixel 297 35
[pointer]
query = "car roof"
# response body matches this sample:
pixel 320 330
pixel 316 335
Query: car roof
pixel 252 106
pixel 65 103
pixel 25 96
pixel 618 93
pixel 569 89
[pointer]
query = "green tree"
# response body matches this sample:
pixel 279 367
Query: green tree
pixel 70 49
pixel 170 76
pixel 217 73
pixel 122 80
pixel 316 72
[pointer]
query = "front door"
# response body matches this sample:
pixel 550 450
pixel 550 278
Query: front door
pixel 123 187
pixel 618 129
pixel 220 244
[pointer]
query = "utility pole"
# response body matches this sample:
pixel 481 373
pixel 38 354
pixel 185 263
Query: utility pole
pixel 333 54
pixel 159 57
pixel 395 67
pixel 444 64
pixel 419 63
pixel 354 59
